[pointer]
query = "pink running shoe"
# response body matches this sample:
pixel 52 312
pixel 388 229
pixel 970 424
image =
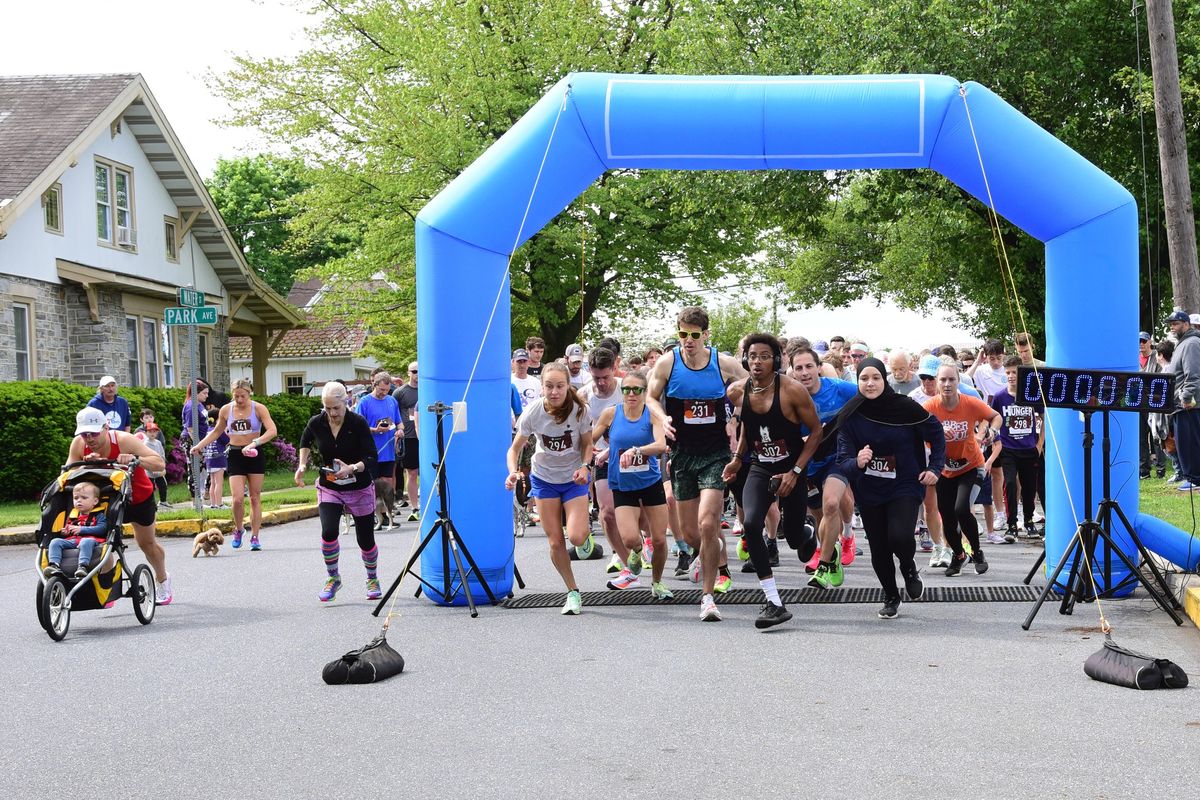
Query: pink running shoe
pixel 848 550
pixel 813 562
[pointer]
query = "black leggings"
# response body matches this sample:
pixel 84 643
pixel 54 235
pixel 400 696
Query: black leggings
pixel 161 483
pixel 955 496
pixel 889 528
pixel 331 521
pixel 756 501
pixel 1023 468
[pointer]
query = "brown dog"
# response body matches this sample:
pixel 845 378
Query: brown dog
pixel 385 498
pixel 209 542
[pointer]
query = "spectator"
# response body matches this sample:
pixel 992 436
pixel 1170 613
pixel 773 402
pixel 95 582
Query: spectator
pixel 1186 366
pixel 114 407
pixel 153 436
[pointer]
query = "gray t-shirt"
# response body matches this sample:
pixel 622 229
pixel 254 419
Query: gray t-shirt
pixel 406 396
pixel 559 450
pixel 907 386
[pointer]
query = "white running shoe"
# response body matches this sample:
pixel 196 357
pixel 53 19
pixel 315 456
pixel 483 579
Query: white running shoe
pixel 697 573
pixel 625 580
pixel 935 557
pixel 708 610
pixel 162 592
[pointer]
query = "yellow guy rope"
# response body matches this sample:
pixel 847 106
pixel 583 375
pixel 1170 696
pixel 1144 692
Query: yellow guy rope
pixel 1014 301
pixel 479 353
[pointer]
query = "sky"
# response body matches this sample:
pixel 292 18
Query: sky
pixel 175 46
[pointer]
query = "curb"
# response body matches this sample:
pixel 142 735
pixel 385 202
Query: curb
pixel 1191 605
pixel 189 527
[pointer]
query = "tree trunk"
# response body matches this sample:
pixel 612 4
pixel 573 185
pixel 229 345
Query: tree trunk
pixel 1172 151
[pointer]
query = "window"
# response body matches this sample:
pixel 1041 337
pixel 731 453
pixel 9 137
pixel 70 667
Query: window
pixel 202 363
pixel 131 347
pixel 23 336
pixel 293 382
pixel 114 206
pixel 168 354
pixel 150 351
pixel 169 228
pixel 52 209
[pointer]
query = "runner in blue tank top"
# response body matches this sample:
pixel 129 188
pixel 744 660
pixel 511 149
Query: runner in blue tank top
pixel 775 413
pixel 691 381
pixel 636 438
pixel 830 498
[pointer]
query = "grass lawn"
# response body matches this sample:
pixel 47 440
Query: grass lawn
pixel 282 492
pixel 1162 500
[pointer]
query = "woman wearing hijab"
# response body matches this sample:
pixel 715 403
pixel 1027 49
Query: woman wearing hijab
pixel 881 439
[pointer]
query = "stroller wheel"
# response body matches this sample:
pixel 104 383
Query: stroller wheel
pixel 41 611
pixel 55 611
pixel 142 594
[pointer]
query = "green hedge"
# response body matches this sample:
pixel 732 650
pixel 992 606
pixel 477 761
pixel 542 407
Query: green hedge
pixel 39 420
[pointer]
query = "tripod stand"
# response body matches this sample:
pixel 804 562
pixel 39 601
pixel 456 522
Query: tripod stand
pixel 1081 580
pixel 452 543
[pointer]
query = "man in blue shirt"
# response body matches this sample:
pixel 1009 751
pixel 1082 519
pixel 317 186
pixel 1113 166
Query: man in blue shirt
pixel 829 496
pixel 382 414
pixel 114 407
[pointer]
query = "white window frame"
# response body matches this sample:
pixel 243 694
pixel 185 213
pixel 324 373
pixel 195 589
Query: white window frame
pixel 292 375
pixel 151 344
pixel 170 233
pixel 202 360
pixel 29 352
pixel 110 237
pixel 134 358
pixel 53 198
pixel 166 342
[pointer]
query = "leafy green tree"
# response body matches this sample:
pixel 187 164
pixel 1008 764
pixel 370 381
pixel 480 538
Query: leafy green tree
pixel 728 323
pixel 258 199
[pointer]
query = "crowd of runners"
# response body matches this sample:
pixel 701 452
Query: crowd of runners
pixel 809 441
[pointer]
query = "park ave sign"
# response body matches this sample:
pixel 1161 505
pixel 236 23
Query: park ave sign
pixel 205 315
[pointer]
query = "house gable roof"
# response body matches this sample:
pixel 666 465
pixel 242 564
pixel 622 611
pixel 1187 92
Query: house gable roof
pixel 325 341
pixel 28 144
pixel 58 107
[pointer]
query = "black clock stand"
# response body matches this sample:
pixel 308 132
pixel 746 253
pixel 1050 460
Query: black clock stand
pixel 1081 580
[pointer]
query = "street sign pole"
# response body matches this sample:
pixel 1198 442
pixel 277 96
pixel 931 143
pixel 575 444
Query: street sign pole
pixel 195 460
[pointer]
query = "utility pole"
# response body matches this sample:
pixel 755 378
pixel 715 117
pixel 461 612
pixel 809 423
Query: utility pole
pixel 1173 157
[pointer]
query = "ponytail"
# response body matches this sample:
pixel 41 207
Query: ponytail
pixel 575 406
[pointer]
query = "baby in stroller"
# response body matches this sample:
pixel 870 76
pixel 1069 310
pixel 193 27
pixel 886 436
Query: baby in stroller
pixel 84 529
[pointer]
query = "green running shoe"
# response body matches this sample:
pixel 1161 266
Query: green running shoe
pixel 743 552
pixel 820 578
pixel 660 591
pixel 635 562
pixel 584 551
pixel 614 566
pixel 574 603
pixel 837 573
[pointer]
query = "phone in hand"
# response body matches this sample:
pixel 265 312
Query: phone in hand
pixel 773 484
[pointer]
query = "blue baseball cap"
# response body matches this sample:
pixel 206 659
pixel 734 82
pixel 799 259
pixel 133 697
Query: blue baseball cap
pixel 1179 315
pixel 1143 336
pixel 929 366
pixel 820 346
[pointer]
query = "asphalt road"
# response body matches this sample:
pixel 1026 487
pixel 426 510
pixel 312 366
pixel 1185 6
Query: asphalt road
pixel 221 696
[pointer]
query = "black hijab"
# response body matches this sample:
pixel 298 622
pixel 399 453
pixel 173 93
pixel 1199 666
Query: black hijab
pixel 890 408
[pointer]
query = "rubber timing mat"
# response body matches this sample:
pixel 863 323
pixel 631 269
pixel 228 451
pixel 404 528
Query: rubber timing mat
pixel 642 597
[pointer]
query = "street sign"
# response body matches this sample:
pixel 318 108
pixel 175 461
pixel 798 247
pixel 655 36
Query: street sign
pixel 190 298
pixel 206 315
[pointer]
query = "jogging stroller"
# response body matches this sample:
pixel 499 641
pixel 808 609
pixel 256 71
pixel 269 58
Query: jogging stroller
pixel 109 578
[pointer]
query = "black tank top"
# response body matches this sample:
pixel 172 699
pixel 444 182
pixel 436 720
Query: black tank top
pixel 774 440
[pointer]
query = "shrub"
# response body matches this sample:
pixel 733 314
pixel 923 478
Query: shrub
pixel 280 454
pixel 177 462
pixel 291 412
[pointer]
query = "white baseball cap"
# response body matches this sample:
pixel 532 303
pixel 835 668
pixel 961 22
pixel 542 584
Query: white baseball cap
pixel 106 380
pixel 90 420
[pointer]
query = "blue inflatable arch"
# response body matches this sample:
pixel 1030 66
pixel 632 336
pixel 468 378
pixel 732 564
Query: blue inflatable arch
pixel 590 123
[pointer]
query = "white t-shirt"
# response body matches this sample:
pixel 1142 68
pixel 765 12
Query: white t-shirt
pixel 919 395
pixel 597 404
pixel 529 387
pixel 989 381
pixel 559 444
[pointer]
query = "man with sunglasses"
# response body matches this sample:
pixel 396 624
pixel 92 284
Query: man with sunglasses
pixel 858 351
pixel 604 391
pixel 690 381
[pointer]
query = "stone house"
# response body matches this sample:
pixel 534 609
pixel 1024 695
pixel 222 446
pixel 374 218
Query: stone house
pixel 102 219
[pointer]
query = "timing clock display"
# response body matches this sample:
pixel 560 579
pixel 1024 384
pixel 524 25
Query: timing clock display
pixel 1096 389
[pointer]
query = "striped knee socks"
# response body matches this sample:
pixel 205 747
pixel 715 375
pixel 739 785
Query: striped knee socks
pixel 331 551
pixel 371 561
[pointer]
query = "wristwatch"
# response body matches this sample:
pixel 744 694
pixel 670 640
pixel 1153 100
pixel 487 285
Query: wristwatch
pixel 799 470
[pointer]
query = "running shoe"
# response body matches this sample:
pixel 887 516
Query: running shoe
pixel 584 551
pixel 771 614
pixel 856 521
pixel 659 591
pixel 685 561
pixel 926 540
pixel 708 610
pixel 52 570
pixel 255 545
pixel 415 516
pixel 614 566
pixel 743 552
pixel 981 564
pixel 995 537
pixel 947 555
pixel 1038 517
pixel 635 562
pixel 163 594
pixel 1187 486
pixel 331 589
pixel 891 608
pixel 813 562
pixel 820 578
pixel 724 525
pixel 1032 531
pixel 914 586
pixel 837 573
pixel 373 590
pixel 724 584
pixel 625 580
pixel 647 551
pixel 848 550
pixel 574 603
pixel 956 564
pixel 935 557
pixel 697 571
pixel 748 566
pixel 237 539
pixel 1010 535
pixel 773 552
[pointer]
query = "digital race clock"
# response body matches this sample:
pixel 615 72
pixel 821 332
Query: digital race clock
pixel 1096 389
